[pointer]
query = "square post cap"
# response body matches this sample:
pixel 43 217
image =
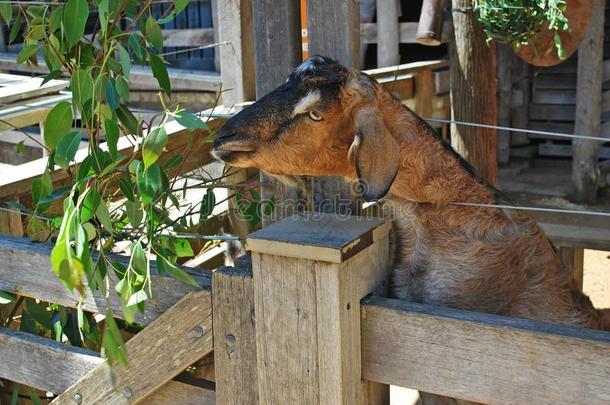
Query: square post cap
pixel 318 236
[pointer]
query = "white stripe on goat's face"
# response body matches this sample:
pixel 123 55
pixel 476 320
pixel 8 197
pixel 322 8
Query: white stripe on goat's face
pixel 306 103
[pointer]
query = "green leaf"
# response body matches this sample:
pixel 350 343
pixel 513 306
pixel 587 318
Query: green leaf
pixel 127 188
pixel 15 29
pixel 55 19
pixel 74 20
pixel 138 259
pixel 122 87
pixel 190 121
pixel 26 53
pixel 39 313
pixel 66 149
pixel 149 182
pixel 160 72
pixel 81 85
pixel 104 216
pixel 20 147
pixel 173 162
pixel 153 33
pixel 137 297
pixel 125 60
pixel 114 347
pixel 111 131
pixel 176 272
pixel 57 124
pixel 183 248
pixel 51 76
pixel 129 121
pixel 207 205
pixel 139 52
pixel 167 18
pixel 153 146
pixel 134 213
pixel 34 397
pixel 6 11
pixel 112 97
pixel 180 5
pixel 7 298
pixel 89 206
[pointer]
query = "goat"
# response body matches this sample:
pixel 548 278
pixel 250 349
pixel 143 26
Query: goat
pixel 327 119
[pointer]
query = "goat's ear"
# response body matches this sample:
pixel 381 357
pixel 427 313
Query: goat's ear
pixel 376 154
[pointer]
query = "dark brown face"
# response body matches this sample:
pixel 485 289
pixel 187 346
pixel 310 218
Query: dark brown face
pixel 300 128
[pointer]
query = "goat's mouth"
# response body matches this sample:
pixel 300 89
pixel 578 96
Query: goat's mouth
pixel 233 152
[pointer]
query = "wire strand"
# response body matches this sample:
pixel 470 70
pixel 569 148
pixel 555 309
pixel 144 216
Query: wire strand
pixel 528 131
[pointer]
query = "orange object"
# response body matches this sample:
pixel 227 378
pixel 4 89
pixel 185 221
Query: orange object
pixel 304 36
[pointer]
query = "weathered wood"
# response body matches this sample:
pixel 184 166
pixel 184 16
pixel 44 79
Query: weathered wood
pixel 308 311
pixel 334 31
pixel 177 392
pixel 277 33
pixel 551 112
pixel 407 33
pixel 193 145
pixel 42 363
pixel 388 36
pixel 179 337
pixel 505 82
pixel 25 113
pixel 473 93
pixel 481 357
pixel 430 26
pixel 236 58
pixel 519 101
pixel 10 223
pixel 28 88
pixel 26 270
pixel 234 334
pixel 585 166
pixel 573 260
pixel 550 149
pixel 424 93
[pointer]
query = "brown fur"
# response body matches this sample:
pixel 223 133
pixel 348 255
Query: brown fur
pixel 481 259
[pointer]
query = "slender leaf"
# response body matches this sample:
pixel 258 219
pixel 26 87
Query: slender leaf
pixel 176 272
pixel 160 72
pixel 6 11
pixel 153 33
pixel 27 52
pixel 66 149
pixel 57 124
pixel 190 121
pixel 149 182
pixel 6 297
pixel 15 29
pixel 129 121
pixel 81 85
pixel 125 60
pixel 74 19
pixel 111 131
pixel 153 146
pixel 207 205
pixel 112 97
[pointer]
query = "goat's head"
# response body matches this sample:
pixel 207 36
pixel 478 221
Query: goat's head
pixel 324 120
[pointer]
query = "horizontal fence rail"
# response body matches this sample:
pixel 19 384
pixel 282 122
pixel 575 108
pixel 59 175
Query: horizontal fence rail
pixel 481 357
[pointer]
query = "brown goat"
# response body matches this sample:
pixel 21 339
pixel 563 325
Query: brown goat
pixel 327 119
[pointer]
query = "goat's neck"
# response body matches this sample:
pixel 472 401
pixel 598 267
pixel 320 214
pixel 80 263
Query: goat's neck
pixel 430 172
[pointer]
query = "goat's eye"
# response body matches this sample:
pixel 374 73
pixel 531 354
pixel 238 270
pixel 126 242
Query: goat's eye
pixel 315 116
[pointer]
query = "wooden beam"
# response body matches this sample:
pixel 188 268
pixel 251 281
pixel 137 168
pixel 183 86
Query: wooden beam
pixel 388 35
pixel 585 163
pixel 234 334
pixel 407 33
pixel 424 93
pixel 179 337
pixel 573 260
pixel 307 310
pixel 193 144
pixel 29 88
pixel 178 392
pixel 43 363
pixel 482 357
pixel 26 271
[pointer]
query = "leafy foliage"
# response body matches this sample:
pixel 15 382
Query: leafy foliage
pixel 517 22
pixel 114 196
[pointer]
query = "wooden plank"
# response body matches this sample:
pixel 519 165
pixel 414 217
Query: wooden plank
pixel 505 83
pixel 140 78
pixel 402 86
pixel 556 82
pixel 30 87
pixel 407 32
pixel 234 334
pixel 585 165
pixel 176 339
pixel 388 35
pixel 43 363
pixel 236 59
pixel 441 81
pixel 550 149
pixel 554 96
pixel 177 392
pixel 334 30
pixel 193 144
pixel 308 320
pixel 551 112
pixel 424 93
pixel 27 271
pixel 189 37
pixel 30 112
pixel 11 222
pixel 482 357
pixel 573 260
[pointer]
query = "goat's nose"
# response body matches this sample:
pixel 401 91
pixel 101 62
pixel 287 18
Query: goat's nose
pixel 224 135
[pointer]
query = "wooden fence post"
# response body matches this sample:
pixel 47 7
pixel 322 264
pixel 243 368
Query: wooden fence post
pixel 310 273
pixel 234 335
pixel 388 34
pixel 333 29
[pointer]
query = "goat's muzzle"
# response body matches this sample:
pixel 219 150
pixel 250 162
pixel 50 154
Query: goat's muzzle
pixel 229 146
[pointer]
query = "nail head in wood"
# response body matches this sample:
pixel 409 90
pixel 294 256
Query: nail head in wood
pixel 198 331
pixel 78 398
pixel 127 393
